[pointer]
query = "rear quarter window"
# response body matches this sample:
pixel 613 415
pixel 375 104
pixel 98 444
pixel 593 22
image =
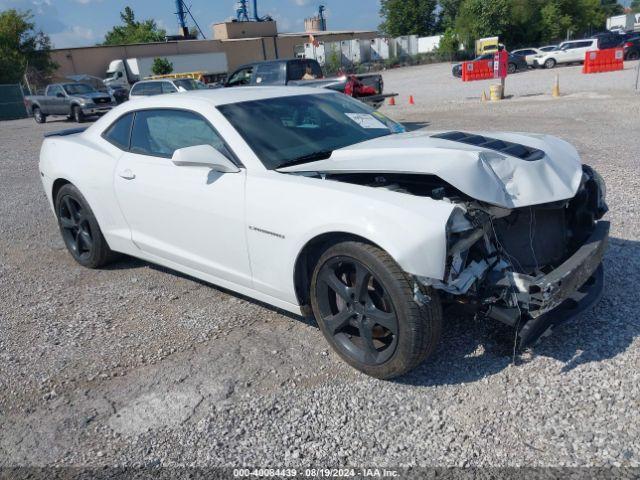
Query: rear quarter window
pixel 119 133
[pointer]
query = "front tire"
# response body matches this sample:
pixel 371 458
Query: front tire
pixel 38 115
pixel 77 114
pixel 550 63
pixel 80 230
pixel 512 68
pixel 365 307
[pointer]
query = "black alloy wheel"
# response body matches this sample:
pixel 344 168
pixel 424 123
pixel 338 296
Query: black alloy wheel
pixel 79 228
pixel 357 311
pixel 366 308
pixel 76 229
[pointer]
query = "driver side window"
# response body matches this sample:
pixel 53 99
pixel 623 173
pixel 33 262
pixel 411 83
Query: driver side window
pixel 241 77
pixel 161 132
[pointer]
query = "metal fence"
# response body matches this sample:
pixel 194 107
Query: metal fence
pixel 12 102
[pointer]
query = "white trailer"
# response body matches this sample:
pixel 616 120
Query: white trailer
pixel 622 22
pixel 407 45
pixel 381 49
pixel 429 44
pixel 125 72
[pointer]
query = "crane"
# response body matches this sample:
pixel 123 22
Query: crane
pixel 242 12
pixel 182 11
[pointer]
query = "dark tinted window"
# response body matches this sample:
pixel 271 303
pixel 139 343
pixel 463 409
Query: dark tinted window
pixel 241 77
pixel 285 129
pixel 270 74
pixel 162 132
pixel 118 133
pixel 168 88
pixel 316 70
pixel 53 90
pixel 78 88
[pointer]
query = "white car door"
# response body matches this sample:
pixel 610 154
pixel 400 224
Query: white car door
pixel 189 215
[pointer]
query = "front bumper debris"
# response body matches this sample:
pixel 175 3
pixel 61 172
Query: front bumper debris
pixel 567 291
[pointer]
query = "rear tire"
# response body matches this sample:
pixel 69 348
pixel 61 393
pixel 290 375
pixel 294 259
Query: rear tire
pixel 550 63
pixel 80 230
pixel 77 114
pixel 365 307
pixel 633 56
pixel 38 115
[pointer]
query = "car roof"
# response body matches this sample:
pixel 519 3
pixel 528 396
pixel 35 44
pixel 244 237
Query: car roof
pixel 202 99
pixel 278 61
pixel 150 80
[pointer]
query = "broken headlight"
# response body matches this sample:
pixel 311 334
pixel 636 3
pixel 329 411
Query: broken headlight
pixel 601 200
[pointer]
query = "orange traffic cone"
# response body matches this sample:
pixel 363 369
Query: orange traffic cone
pixel 392 102
pixel 411 100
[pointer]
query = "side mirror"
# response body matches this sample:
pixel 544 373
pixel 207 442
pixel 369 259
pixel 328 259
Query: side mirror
pixel 203 156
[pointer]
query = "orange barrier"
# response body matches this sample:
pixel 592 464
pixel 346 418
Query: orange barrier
pixel 478 70
pixel 599 61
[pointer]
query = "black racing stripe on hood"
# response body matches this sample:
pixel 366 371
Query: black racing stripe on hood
pixel 523 152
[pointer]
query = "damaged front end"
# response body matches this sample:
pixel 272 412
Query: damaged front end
pixel 530 267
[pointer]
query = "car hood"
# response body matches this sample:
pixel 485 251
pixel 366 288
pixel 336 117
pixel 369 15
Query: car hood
pixel 484 174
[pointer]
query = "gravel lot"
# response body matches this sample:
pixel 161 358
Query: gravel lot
pixel 137 365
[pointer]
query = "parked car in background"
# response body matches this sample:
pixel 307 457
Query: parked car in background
pixel 367 87
pixel 548 48
pixel 73 100
pixel 632 49
pixel 572 51
pixel 516 64
pixel 609 39
pixel 148 88
pixel 528 54
pixel 120 94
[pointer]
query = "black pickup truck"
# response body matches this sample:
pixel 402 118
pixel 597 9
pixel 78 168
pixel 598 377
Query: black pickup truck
pixel 367 88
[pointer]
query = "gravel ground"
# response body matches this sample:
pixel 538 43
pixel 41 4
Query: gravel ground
pixel 137 365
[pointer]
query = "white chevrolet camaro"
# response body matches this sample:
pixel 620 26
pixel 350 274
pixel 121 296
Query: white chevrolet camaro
pixel 312 202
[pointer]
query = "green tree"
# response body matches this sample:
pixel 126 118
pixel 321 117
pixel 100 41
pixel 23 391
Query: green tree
pixel 449 12
pixel 408 17
pixel 161 66
pixel 449 44
pixel 635 6
pixel 554 24
pixel 483 18
pixel 133 31
pixel 611 7
pixel 23 49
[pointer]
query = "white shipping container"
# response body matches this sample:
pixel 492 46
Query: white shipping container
pixel 407 45
pixel 315 52
pixel 197 62
pixel 380 49
pixel 429 44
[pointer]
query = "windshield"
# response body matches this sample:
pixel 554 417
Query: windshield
pixel 188 84
pixel 78 89
pixel 303 128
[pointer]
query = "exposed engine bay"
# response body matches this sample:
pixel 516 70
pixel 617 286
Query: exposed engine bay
pixel 512 265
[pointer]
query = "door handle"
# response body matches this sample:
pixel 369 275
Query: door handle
pixel 127 174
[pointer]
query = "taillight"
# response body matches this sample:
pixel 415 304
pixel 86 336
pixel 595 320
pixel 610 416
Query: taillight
pixel 628 44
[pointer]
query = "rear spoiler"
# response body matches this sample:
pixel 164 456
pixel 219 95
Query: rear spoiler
pixel 64 133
